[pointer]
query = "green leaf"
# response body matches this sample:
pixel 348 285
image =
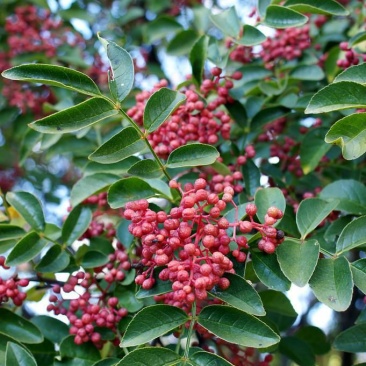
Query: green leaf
pixel 327 7
pixel 146 168
pixel 304 257
pixel 123 235
pixel 278 303
pixel 128 299
pixel 122 68
pixel 269 272
pixel 312 149
pixel 203 358
pixel 337 96
pixel 227 21
pixel 281 17
pixel 119 168
pixel 307 72
pixel 349 133
pixel 197 57
pixel 55 260
pixel 350 193
pixel 76 224
pixel 356 39
pixel 251 36
pixel 122 145
pixel 85 351
pixel 311 213
pixel 54 75
pixel 352 236
pixel 90 184
pixel 267 115
pixel 53 329
pixel 128 189
pixel 160 106
pixel 332 283
pixel 315 337
pixel 150 356
pixel 160 27
pixel 18 327
pixel 75 118
pixel 107 362
pixel 237 327
pixel 93 259
pixel 182 43
pixel 152 322
pixel 26 249
pixel 192 155
pixel 252 177
pixel 352 339
pixel 266 198
pixel 237 113
pixel 8 232
pixel 354 74
pixel 29 207
pixel 240 294
pixel 18 356
pixel 359 274
pixel 297 350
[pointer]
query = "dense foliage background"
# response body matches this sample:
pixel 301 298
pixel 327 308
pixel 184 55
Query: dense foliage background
pixel 159 200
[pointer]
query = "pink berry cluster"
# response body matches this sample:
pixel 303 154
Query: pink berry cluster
pixel 351 56
pixel 195 120
pixel 240 356
pixel 33 30
pixel 193 240
pixel 9 288
pixel 287 44
pixel 93 308
pixel 217 182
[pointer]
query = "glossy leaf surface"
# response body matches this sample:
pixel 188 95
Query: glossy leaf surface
pixel 76 118
pixel 304 257
pixel 152 322
pixel 332 283
pixel 53 75
pixel 160 106
pixel 237 327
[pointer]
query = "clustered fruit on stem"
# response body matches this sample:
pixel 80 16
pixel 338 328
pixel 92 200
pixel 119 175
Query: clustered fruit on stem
pixel 194 240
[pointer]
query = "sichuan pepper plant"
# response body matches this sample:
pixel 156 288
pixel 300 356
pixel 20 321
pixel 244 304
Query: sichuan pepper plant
pixel 198 205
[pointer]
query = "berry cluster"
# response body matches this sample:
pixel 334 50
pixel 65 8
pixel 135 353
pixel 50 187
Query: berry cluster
pixel 194 239
pixel 287 44
pixel 9 289
pixel 195 120
pixel 351 56
pixel 36 31
pixel 93 308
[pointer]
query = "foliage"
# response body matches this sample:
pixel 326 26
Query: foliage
pixel 193 207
